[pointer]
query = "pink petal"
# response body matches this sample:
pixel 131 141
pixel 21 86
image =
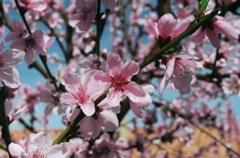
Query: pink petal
pixel 72 112
pixel 45 96
pixel 15 150
pixel 147 88
pixel 104 77
pixel 136 109
pixel 11 36
pixel 40 50
pixel 133 91
pixel 37 6
pixel 30 56
pixel 180 28
pixel 170 67
pixel 42 140
pixel 108 120
pixel 182 82
pixel 89 127
pixel 72 82
pixel 225 27
pixel 68 98
pixel 37 36
pixel 18 44
pixel 114 97
pixel 57 151
pixel 82 27
pixel 130 69
pixel 109 4
pixel 88 108
pixel 213 38
pixel 13 57
pixel 198 35
pixel 113 60
pixel 151 28
pixel 48 109
pixel 74 20
pixel 163 84
pixel 10 77
pixel 166 25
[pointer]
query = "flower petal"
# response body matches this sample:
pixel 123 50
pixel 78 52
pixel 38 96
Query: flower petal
pixel 133 91
pixel 114 97
pixel 68 98
pixel 88 108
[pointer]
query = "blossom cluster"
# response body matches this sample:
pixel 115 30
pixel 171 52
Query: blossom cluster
pixel 115 102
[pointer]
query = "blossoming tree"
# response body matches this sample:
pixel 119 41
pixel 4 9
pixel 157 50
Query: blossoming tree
pixel 184 50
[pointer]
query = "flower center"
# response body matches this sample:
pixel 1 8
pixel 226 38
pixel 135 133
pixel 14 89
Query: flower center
pixel 118 82
pixel 82 96
pixel 30 42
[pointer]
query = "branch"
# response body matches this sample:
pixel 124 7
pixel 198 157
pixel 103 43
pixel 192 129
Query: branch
pixel 71 128
pixel 191 29
pixel 3 119
pixel 43 58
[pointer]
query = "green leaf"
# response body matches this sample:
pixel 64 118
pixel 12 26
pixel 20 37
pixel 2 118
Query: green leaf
pixel 202 4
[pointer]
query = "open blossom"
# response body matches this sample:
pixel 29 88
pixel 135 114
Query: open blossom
pixel 36 5
pixel 166 29
pixel 231 85
pixel 37 145
pixel 76 147
pixel 20 31
pixel 39 41
pixel 118 77
pixel 12 112
pixel 103 121
pixel 112 149
pixel 9 75
pixel 82 91
pixel 217 25
pixel 179 69
pixel 85 14
pixel 50 96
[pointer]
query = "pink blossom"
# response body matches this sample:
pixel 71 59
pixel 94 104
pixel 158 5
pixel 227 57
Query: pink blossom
pixel 12 112
pixel 36 5
pixel 54 20
pixel 231 85
pixel 38 42
pixel 217 25
pixel 19 32
pixel 179 69
pixel 9 75
pixel 109 4
pixel 50 96
pixel 112 149
pixel 72 111
pixel 119 77
pixel 103 121
pixel 30 98
pixel 37 145
pixel 76 147
pixel 84 16
pixel 82 91
pixel 166 29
